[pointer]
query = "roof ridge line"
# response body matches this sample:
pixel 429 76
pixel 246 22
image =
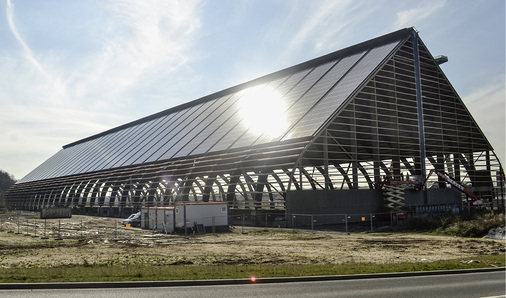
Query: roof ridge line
pixel 298 67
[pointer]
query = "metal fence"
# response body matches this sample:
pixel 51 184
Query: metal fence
pixel 366 222
pixel 89 228
pixel 59 229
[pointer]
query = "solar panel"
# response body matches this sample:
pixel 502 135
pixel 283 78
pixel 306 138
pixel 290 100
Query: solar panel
pixel 130 141
pixel 150 139
pixel 293 97
pixel 181 127
pixel 219 127
pixel 317 115
pixel 206 128
pixel 309 95
pixel 249 138
pixel 188 132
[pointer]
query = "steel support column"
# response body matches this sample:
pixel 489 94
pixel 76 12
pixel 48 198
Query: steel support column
pixel 419 104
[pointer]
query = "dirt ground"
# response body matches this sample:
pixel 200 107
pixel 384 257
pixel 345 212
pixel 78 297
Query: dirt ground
pixel 90 240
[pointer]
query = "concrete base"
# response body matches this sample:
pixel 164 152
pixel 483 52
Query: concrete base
pixel 318 207
pixel 331 207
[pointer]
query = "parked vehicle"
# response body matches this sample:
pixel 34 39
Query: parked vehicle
pixel 134 220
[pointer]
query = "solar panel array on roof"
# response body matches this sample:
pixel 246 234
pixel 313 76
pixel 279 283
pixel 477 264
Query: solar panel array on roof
pixel 308 98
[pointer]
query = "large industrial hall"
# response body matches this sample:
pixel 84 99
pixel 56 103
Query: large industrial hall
pixel 375 127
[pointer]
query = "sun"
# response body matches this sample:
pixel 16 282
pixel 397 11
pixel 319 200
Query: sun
pixel 262 110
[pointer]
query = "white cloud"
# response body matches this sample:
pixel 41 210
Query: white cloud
pixel 326 26
pixel 488 107
pixel 413 16
pixel 144 41
pixel 43 76
pixel 27 51
pixel 65 95
pixel 140 41
pixel 323 22
pixel 307 29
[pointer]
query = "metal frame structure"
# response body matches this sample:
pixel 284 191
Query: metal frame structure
pixel 380 108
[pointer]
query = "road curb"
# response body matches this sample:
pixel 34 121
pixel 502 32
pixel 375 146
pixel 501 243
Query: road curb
pixel 210 282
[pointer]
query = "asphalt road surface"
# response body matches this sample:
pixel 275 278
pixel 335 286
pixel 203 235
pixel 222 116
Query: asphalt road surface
pixel 484 284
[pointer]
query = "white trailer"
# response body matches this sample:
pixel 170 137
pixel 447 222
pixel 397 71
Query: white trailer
pixel 202 214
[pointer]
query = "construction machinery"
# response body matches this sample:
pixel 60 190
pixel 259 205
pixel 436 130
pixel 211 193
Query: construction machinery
pixel 394 186
pixel 475 200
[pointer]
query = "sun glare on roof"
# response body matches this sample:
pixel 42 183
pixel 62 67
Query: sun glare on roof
pixel 263 111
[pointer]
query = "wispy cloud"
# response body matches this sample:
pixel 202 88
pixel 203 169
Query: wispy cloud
pixel 138 44
pixel 325 26
pixel 27 51
pixel 413 16
pixel 309 29
pixel 331 25
pixel 488 107
pixel 55 84
pixel 143 42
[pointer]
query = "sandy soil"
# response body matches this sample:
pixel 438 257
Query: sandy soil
pixel 95 240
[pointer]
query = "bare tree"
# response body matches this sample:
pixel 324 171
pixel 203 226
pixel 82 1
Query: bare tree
pixel 6 181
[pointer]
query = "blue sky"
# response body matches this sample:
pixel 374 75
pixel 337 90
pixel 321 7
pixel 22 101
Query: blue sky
pixel 70 69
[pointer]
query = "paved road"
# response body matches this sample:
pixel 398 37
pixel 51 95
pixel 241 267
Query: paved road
pixel 484 284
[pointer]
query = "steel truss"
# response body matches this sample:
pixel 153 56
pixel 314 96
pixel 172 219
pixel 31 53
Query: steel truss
pixel 375 134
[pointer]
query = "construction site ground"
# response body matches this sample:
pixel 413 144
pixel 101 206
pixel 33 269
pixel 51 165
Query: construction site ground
pixel 27 241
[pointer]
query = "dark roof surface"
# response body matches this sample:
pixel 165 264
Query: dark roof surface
pixel 293 103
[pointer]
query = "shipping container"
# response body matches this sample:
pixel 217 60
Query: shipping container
pixel 205 215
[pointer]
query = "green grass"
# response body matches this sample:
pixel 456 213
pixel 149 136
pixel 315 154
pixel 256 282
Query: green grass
pixel 117 270
pixel 98 273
